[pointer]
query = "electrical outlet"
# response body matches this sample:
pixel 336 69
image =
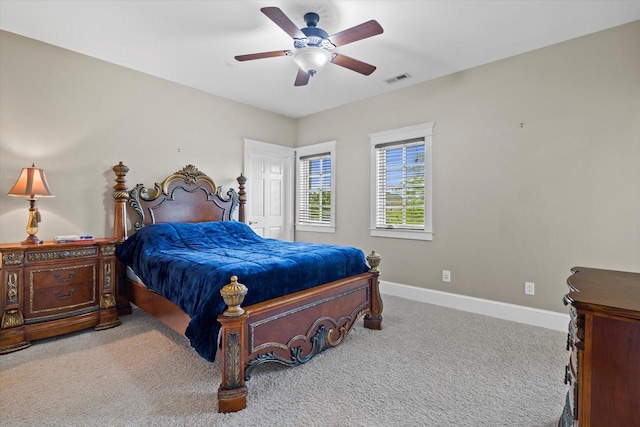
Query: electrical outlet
pixel 446 276
pixel 529 288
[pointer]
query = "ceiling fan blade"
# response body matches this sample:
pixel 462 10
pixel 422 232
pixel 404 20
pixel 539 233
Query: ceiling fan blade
pixel 353 64
pixel 262 55
pixel 302 78
pixel 283 21
pixel 359 32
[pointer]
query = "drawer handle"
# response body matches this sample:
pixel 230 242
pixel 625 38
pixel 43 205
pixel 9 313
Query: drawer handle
pixel 567 375
pixel 63 297
pixel 59 278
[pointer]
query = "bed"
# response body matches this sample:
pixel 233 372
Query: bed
pixel 185 223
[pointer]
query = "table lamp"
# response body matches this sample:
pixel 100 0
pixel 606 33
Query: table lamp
pixel 31 183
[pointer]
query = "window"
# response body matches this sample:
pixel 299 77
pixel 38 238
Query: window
pixel 401 186
pixel 315 188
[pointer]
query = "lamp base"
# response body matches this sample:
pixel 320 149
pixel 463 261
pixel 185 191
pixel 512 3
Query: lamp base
pixel 32 224
pixel 31 240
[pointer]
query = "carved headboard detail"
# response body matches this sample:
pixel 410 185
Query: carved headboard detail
pixel 187 195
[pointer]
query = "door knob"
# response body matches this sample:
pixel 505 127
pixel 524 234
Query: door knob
pixel 253 222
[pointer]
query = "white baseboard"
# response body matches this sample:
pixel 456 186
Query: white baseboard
pixel 517 313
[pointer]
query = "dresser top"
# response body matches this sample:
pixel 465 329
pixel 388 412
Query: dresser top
pixel 48 245
pixel 616 292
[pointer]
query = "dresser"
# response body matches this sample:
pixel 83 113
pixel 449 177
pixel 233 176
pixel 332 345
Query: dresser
pixel 55 288
pixel 604 349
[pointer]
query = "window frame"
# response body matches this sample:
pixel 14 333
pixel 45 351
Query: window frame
pixel 308 151
pixel 399 135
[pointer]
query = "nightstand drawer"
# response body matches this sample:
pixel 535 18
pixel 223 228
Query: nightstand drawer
pixel 53 291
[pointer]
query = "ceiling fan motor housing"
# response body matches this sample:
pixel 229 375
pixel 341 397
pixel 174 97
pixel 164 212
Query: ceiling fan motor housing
pixel 314 36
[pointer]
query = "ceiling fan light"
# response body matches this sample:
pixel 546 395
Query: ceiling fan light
pixel 311 59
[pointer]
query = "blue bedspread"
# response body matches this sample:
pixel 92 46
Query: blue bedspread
pixel 188 263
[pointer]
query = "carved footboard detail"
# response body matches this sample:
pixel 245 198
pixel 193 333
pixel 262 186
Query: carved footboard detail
pixel 373 320
pixel 232 394
pixel 320 342
pixel 291 330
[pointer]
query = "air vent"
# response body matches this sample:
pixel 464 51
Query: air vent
pixel 398 78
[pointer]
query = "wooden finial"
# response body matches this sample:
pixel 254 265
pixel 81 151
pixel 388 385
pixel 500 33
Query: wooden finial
pixel 374 261
pixel 233 295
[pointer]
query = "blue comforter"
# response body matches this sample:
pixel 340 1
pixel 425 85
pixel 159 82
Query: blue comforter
pixel 188 263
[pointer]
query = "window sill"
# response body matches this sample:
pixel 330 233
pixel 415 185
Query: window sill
pixel 402 234
pixel 316 228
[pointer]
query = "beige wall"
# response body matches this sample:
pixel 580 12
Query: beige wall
pixel 511 203
pixel 76 117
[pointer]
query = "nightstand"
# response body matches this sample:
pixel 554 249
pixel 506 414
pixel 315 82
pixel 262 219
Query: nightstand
pixel 55 288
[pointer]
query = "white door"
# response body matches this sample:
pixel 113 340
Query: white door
pixel 269 172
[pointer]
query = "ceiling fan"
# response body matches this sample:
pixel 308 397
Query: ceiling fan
pixel 313 46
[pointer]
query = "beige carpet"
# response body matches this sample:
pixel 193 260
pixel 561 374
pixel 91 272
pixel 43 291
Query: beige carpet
pixel 429 366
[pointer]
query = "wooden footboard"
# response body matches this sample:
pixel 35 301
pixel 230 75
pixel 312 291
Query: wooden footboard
pixel 291 330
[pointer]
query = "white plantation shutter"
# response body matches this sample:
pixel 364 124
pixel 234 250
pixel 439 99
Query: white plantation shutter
pixel 314 191
pixel 400 184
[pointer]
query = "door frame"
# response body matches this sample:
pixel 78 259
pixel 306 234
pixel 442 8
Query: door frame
pixel 252 146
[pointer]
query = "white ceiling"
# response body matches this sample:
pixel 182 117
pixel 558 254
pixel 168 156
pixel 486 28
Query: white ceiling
pixel 194 42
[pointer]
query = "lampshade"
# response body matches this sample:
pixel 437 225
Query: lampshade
pixel 311 59
pixel 32 182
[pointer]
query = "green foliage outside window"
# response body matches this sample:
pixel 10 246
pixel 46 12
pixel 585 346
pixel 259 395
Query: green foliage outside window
pixel 320 206
pixel 405 186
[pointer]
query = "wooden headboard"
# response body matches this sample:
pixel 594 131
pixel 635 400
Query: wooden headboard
pixel 187 195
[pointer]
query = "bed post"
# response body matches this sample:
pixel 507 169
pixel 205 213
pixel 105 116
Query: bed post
pixel 374 319
pixel 232 394
pixel 121 196
pixel 242 197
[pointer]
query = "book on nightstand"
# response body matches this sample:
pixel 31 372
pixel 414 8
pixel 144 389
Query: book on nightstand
pixel 68 238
